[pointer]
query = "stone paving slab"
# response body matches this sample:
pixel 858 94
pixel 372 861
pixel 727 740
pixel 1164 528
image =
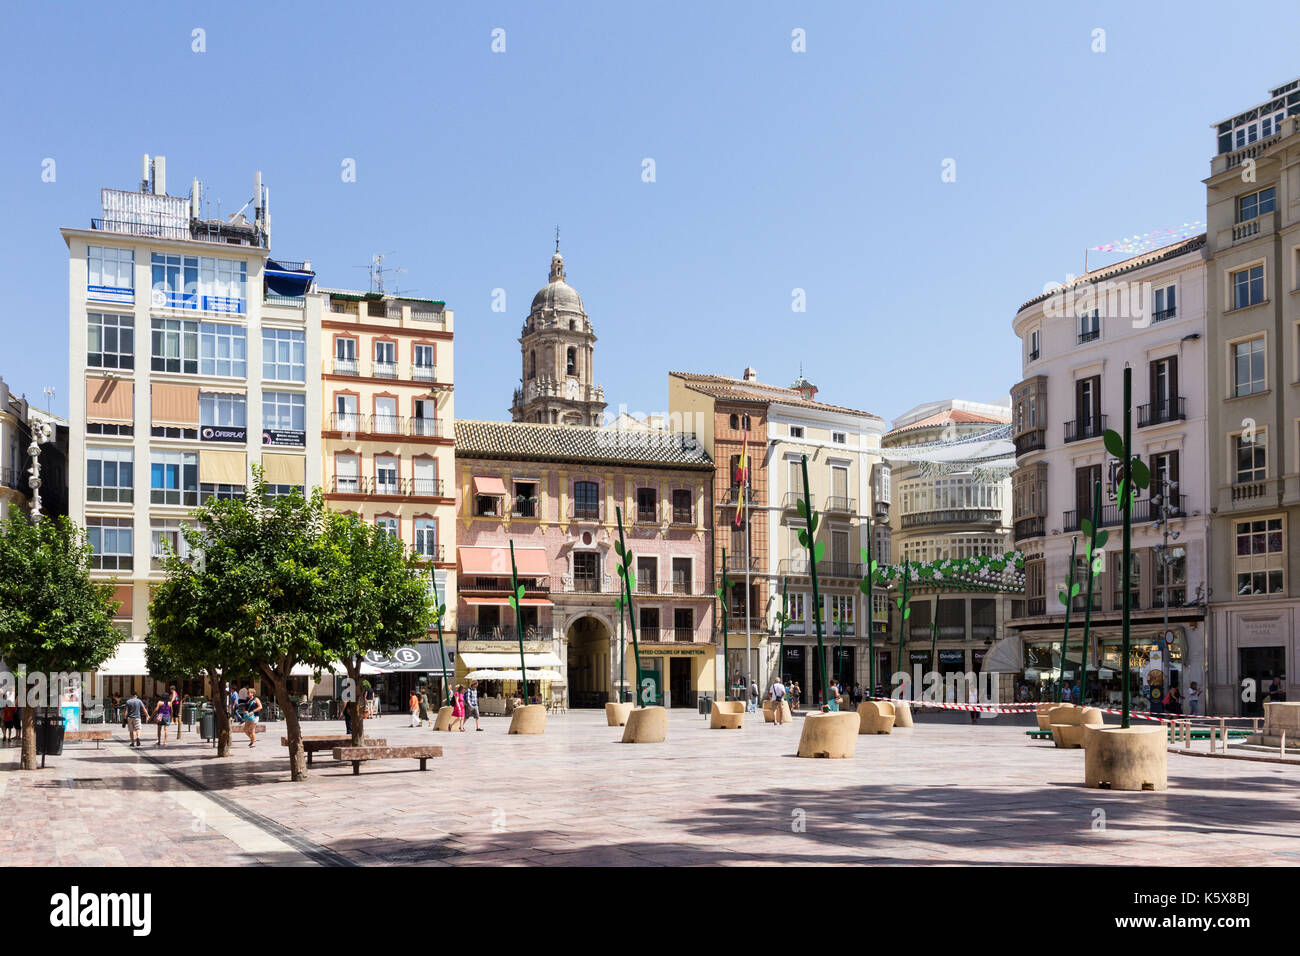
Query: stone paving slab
pixel 942 793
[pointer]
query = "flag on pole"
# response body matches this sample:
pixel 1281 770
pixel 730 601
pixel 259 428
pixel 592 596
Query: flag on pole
pixel 742 480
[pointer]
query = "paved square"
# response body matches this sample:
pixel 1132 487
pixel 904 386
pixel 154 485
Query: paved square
pixel 944 792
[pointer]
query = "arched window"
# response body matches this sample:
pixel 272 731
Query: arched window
pixel 532 364
pixel 744 422
pixel 572 362
pixel 735 421
pixel 573 325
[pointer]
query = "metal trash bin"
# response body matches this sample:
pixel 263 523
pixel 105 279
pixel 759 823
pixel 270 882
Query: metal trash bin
pixel 189 713
pixel 208 723
pixel 49 735
pixel 706 705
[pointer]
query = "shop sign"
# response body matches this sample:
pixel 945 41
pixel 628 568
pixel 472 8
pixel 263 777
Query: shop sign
pixel 673 652
pixel 223 433
pixel 952 657
pixel 283 437
pixel 919 657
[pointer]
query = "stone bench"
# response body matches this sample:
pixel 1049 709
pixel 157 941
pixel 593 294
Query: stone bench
pixel 238 727
pixel 727 715
pixel 318 742
pixel 1067 723
pixel 829 735
pixel 776 716
pixel 875 717
pixel 356 755
pixel 1043 712
pixel 95 735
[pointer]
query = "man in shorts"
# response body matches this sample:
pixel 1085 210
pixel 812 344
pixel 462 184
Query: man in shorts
pixel 471 704
pixel 136 714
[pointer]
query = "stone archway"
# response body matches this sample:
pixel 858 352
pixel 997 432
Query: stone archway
pixel 588 662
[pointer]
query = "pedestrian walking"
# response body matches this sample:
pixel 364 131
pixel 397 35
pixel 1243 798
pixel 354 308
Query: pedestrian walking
pixel 9 716
pixel 753 697
pixel 458 708
pixel 796 694
pixel 252 712
pixel 413 705
pixel 973 697
pixel 162 716
pixel 136 714
pixel 777 695
pixel 174 704
pixel 471 705
pixel 424 706
pixel 1194 699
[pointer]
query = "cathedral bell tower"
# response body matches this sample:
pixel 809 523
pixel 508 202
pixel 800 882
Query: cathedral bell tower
pixel 556 346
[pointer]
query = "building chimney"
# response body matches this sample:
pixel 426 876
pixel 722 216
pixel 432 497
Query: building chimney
pixel 751 374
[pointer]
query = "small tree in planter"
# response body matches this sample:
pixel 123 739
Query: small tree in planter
pixel 867 587
pixel 629 582
pixel 904 603
pixel 516 595
pixel 1066 597
pixel 1096 540
pixel 815 551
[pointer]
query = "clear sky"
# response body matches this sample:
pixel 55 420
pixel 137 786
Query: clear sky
pixel 774 170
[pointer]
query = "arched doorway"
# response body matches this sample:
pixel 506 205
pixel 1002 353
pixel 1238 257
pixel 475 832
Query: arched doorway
pixel 588 663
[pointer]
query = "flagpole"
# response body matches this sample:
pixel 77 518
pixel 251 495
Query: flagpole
pixel 744 494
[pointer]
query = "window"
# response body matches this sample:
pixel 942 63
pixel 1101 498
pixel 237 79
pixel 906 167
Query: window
pixel 424 421
pixel 165 539
pixel 1251 457
pixel 571 362
pixel 175 281
pixel 385 360
pixel 526 499
pixel 586 571
pixel 1134 578
pixel 487 506
pixel 1247 287
pixel 649 622
pixel 1164 477
pixel 284 355
pixel 110 543
pixel 839 438
pixel 174 478
pixel 284 418
pixel 272 491
pixel 209 490
pixel 683 624
pixel 425 476
pixel 1164 304
pixel 1034 341
pixel 1248 367
pixel 174 345
pixel 734 422
pixel 386 471
pixel 110 340
pixel 110 274
pixel 683 505
pixel 744 422
pixel 1261 557
pixel 647 575
pixel 198 282
pixel 1090 326
pixel 532 364
pixel 1171 578
pixel 389 525
pixel 223 350
pixel 1256 204
pixel 796 608
pixel 385 420
pixel 796 477
pixel 347 477
pixel 682 575
pixel 426 538
pixel 223 409
pixel 110 474
pixel 647 502
pixel 839 610
pixel 345 357
pixel 796 431
pixel 586 499
pixel 1081 579
pixel 422 363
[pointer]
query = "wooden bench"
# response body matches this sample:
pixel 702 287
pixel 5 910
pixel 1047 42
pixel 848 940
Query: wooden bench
pixel 315 743
pixel 95 735
pixel 357 754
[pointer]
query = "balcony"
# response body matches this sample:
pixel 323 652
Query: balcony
pixel 1164 314
pixel 681 517
pixel 1085 429
pixel 682 587
pixel 355 424
pixel 14 478
pixel 1035 440
pixel 425 427
pixel 839 569
pixel 793 566
pixel 1112 517
pixel 1089 335
pixel 737 562
pixel 1029 527
pixel 1251 494
pixel 504 632
pixel 1157 413
pixel 436 552
pixel 733 495
pixel 1036 606
pixel 289 301
pixel 383 370
pixel 346 366
pixel 682 635
pixel 1034 355
pixel 792 499
pixel 396 487
pixel 923 519
pixel 840 504
pixel 386 424
pixel 424 373
pixel 587 585
pixel 646 585
pixel 584 512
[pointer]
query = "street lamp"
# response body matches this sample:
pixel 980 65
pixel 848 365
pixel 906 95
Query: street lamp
pixel 41 433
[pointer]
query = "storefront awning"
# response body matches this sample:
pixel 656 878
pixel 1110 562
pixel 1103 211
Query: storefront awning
pixel 287 279
pixel 127 662
pixel 424 658
pixel 505 601
pixel 1007 656
pixel 495 562
pixel 489 485
pixel 505 659
pixel 540 674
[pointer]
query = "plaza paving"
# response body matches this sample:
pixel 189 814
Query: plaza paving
pixel 944 792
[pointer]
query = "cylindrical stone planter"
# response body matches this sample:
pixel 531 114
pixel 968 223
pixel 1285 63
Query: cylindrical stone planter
pixel 443 720
pixel 1132 758
pixel 780 716
pixel 829 735
pixel 902 714
pixel 616 713
pixel 529 719
pixel 646 725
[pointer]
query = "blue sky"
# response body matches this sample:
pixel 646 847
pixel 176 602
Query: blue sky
pixel 774 170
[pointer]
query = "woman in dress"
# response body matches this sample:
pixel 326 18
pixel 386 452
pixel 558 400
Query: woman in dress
pixel 458 708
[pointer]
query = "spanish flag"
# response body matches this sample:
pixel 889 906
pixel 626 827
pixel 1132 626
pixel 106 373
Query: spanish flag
pixel 742 480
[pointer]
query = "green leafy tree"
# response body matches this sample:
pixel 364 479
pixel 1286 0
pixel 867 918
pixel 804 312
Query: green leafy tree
pixel 374 598
pixel 53 618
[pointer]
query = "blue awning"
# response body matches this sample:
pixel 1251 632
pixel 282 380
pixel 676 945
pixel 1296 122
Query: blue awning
pixel 283 279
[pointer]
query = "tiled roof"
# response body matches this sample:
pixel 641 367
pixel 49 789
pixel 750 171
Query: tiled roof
pixel 1127 265
pixel 739 390
pixel 579 443
pixel 952 416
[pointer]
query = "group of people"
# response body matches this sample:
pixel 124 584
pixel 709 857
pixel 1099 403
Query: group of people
pixel 166 710
pixel 464 705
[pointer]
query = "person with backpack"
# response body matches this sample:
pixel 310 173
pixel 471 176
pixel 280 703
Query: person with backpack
pixel 777 695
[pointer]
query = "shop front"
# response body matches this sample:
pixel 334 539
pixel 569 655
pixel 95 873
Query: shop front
pixel 410 668
pixel 500 675
pixel 677 673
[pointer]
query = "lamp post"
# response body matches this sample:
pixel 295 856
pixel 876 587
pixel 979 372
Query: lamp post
pixel 41 433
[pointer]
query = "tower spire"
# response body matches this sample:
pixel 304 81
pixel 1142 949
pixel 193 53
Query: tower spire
pixel 557 238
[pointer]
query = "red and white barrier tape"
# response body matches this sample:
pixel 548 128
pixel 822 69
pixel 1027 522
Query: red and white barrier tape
pixel 1032 706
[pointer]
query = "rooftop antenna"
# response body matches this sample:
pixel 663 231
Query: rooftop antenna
pixel 378 272
pixel 557 238
pixel 49 396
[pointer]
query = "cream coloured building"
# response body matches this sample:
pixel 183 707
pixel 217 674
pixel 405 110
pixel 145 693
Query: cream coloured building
pixel 192 359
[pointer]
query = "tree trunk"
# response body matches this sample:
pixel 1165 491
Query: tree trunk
pixel 221 706
pixel 29 739
pixel 293 729
pixel 358 712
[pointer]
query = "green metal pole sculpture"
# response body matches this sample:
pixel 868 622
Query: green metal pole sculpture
pixel 629 581
pixel 440 610
pixel 807 537
pixel 622 642
pixel 785 619
pixel 1096 539
pixel 1067 598
pixel 867 587
pixel 904 612
pixel 726 657
pixel 516 594
pixel 1136 475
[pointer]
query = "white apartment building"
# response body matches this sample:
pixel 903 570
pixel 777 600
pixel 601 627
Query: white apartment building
pixel 1148 313
pixel 193 357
